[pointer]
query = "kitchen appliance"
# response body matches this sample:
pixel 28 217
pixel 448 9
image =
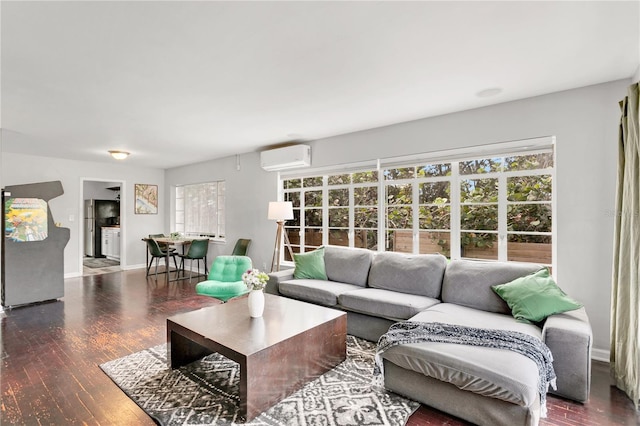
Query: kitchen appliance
pixel 98 213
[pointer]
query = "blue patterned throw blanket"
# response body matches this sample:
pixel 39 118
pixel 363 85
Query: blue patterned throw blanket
pixel 419 332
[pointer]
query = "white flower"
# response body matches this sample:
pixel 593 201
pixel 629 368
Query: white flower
pixel 254 279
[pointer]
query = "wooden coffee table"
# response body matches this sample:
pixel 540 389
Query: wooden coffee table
pixel 291 344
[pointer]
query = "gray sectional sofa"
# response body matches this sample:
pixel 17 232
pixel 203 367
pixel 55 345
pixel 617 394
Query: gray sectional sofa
pixel 484 385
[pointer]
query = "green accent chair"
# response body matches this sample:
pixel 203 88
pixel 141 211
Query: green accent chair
pixel 197 251
pixel 241 247
pixel 225 278
pixel 156 254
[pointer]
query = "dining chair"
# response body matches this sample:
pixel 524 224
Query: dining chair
pixel 163 246
pixel 241 247
pixel 157 253
pixel 224 281
pixel 197 251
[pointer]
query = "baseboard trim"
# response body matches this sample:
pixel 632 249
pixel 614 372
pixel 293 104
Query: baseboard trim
pixel 600 355
pixel 72 275
pixel 139 266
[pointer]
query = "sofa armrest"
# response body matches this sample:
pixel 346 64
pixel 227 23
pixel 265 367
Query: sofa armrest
pixel 275 278
pixel 569 337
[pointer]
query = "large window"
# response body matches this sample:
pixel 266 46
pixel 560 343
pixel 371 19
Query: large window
pixel 343 207
pixel 200 209
pixel 494 207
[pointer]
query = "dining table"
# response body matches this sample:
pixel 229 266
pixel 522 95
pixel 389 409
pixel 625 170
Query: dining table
pixel 168 242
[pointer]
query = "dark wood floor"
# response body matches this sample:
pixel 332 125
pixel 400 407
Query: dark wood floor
pixel 50 354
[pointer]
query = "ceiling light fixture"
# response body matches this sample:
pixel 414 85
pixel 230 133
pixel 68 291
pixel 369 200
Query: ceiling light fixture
pixel 119 155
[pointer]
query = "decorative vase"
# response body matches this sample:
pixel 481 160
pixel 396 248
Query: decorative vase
pixel 256 303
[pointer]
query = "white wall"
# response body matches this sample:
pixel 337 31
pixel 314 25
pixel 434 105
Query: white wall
pixel 248 192
pixel 98 190
pixel 585 123
pixel 67 209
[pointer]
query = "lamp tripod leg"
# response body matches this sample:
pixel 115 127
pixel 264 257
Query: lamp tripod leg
pixel 287 244
pixel 275 261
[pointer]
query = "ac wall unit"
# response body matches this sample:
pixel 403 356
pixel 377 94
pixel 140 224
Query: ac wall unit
pixel 289 157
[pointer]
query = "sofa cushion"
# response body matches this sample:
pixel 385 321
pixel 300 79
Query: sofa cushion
pixel 385 303
pixel 469 282
pixel 469 317
pixel 310 265
pixel 316 291
pixel 419 274
pixel 534 297
pixel 491 372
pixel 347 265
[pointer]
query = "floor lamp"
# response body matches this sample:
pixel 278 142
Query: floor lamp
pixel 280 211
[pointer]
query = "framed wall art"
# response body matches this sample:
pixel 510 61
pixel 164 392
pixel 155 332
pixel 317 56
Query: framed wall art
pixel 146 201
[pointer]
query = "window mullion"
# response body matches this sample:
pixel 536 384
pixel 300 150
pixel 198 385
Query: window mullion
pixel 554 219
pixel 303 221
pixel 382 211
pixel 222 208
pixel 352 215
pixel 455 211
pixel 325 210
pixel 415 208
pixel 502 217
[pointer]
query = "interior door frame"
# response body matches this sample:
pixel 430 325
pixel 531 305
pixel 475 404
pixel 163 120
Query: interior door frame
pixel 123 218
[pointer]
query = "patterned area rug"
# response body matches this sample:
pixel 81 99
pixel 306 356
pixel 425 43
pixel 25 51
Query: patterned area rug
pixel 205 392
pixel 100 262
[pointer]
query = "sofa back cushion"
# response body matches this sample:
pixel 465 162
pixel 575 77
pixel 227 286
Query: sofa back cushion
pixel 347 265
pixel 468 282
pixel 419 274
pixel 310 265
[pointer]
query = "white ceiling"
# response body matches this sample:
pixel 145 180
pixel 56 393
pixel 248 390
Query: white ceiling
pixel 181 82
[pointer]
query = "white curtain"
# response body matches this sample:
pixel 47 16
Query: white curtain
pixel 625 297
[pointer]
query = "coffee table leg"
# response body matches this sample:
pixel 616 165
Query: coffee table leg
pixel 269 376
pixel 254 384
pixel 182 350
pixel 242 390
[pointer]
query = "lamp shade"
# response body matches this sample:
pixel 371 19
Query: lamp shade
pixel 280 210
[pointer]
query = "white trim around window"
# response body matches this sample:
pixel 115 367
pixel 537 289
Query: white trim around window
pixel 324 197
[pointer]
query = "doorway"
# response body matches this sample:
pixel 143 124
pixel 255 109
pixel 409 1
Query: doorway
pixel 101 239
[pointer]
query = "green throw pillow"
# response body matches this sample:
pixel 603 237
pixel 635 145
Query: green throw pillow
pixel 310 265
pixel 535 297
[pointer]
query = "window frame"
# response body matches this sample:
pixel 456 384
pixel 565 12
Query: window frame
pixel 454 157
pixel 220 211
